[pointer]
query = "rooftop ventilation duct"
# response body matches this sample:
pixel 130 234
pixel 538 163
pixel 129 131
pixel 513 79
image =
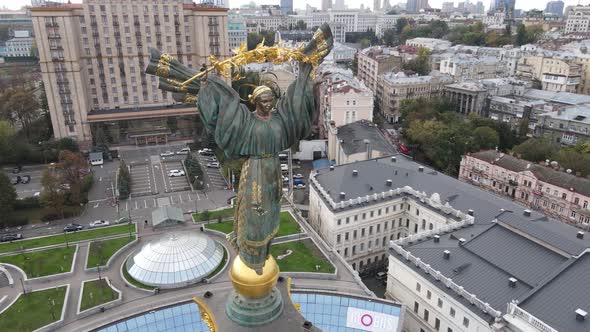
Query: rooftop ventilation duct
pixel 580 315
pixel 462 241
pixel 393 159
pixel 421 169
pixel 512 282
pixel 527 213
pixel 331 168
pixel 436 238
pixel 447 254
pixel 342 195
pixel 580 235
pixel 388 183
pixel 355 173
pixel 470 212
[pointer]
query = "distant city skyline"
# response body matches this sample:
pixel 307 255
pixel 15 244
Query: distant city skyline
pixel 520 4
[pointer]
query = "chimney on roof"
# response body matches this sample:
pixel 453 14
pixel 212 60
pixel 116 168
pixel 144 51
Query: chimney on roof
pixel 436 238
pixel 388 183
pixel 527 213
pixel 580 315
pixel 421 169
pixel 393 159
pixel 512 282
pixel 462 241
pixel 446 254
pixel 355 173
pixel 580 235
pixel 470 212
pixel 342 195
pixel 395 172
pixel 331 168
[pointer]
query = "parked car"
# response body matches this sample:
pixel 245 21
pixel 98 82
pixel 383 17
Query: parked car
pixel 11 237
pixel 298 182
pixel 205 152
pixel 166 154
pixel 37 194
pixel 211 159
pixel 174 172
pixel 298 176
pixel 285 179
pixel 381 275
pixel 299 186
pixel 73 227
pixel 184 151
pixel 99 223
pixel 25 179
pixel 213 165
pixel 17 169
pixel 15 180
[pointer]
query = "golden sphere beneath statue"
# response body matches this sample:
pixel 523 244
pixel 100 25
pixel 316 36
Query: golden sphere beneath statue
pixel 248 283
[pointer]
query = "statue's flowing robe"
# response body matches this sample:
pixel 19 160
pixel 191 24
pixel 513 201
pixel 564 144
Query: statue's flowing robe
pixel 239 132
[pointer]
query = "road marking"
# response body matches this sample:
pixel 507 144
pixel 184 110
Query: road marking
pixel 180 196
pixel 145 203
pixel 126 206
pixel 136 205
pixel 96 205
pixel 100 179
pixel 198 197
pixel 155 204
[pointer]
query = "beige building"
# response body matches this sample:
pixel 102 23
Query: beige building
pixel 393 88
pixel 343 99
pixel 357 141
pixel 555 72
pixel 93 56
pixel 374 61
pixel 463 67
pixel 578 20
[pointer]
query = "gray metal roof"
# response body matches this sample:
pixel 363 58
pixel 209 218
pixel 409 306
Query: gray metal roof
pixel 166 215
pixel 536 250
pixel 353 138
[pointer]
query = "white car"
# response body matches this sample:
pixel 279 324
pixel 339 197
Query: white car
pixel 213 165
pixel 184 151
pixel 174 172
pixel 99 223
pixel 300 186
pixel 284 167
pixel 298 176
pixel 166 154
pixel 285 179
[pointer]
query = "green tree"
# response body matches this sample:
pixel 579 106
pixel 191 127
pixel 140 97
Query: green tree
pixel 400 24
pixel 52 196
pixel 124 181
pixel 21 107
pixel 569 158
pixel 7 195
pixel 7 140
pixel 486 137
pixel 390 37
pixel 421 64
pixel 536 149
pixel 301 25
pixel 67 143
pixel 365 42
pixel 521 35
pixel 100 140
pixel 72 167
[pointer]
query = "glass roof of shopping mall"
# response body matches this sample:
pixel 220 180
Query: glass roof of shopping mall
pixel 176 260
pixel 337 313
pixel 178 318
pixel 330 312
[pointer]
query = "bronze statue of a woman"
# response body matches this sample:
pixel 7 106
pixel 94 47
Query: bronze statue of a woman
pixel 260 136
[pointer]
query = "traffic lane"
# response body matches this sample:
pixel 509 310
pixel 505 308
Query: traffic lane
pixel 305 167
pixel 104 181
pixel 34 173
pixel 143 153
pixel 213 178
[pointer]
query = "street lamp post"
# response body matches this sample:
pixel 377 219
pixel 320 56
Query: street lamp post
pixel 23 286
pixel 66 236
pixel 51 305
pixel 98 267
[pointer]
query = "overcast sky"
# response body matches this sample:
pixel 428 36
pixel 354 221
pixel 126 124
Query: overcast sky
pixel 520 4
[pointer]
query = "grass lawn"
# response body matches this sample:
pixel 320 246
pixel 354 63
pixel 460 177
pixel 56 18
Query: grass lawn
pixel 304 258
pixel 97 292
pixel 33 310
pixel 100 251
pixel 220 266
pixel 43 263
pixel 132 281
pixel 288 225
pixel 213 215
pixel 61 238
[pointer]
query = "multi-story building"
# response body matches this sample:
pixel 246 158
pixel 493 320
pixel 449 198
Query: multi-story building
pixel 463 67
pixel 287 6
pixel 341 54
pixel 554 8
pixel 553 71
pixel 15 20
pixel 468 97
pixel 374 61
pixel 448 7
pixel 511 270
pixel 357 141
pixel 21 45
pixel 554 192
pixel 414 6
pixel 393 88
pixel 343 99
pixel 326 4
pixel 93 56
pixel 567 126
pixel 237 33
pixel 578 20
pixel 432 44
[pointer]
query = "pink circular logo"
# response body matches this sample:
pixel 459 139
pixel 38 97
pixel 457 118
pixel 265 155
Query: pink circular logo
pixel 366 320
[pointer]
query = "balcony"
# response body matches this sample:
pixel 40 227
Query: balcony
pixel 512 183
pixel 213 34
pixel 66 102
pixel 64 91
pixel 57 58
pixel 53 36
pixel 55 47
pixel 52 25
pixel 116 23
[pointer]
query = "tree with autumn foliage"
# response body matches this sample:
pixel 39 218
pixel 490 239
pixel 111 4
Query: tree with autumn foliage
pixel 73 167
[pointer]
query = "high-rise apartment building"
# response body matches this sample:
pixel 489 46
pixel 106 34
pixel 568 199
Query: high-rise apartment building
pixel 376 5
pixel 554 7
pixel 339 5
pixel 326 4
pixel 93 56
pixel 414 6
pixel 287 6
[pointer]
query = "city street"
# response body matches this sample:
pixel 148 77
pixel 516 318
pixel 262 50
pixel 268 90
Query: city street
pixel 28 189
pixel 214 179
